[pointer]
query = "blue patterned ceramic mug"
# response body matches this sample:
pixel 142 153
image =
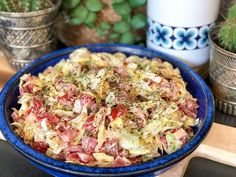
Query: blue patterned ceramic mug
pixel 181 27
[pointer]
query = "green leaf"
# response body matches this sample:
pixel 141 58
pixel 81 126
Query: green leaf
pixel 138 21
pixel 100 32
pixel 114 36
pixel 117 1
pixel 127 38
pixel 91 18
pixel 80 13
pixel 105 26
pixel 70 4
pixel 137 3
pixel 122 8
pixel 94 5
pixel 121 26
pixel 75 21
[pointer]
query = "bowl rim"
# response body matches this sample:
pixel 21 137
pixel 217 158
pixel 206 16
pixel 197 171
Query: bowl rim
pixel 74 169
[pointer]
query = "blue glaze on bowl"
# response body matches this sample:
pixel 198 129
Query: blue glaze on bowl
pixel 195 84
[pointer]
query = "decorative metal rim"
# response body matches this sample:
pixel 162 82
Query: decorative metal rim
pixel 52 23
pixel 35 13
pixel 31 46
pixel 217 47
pixel 227 107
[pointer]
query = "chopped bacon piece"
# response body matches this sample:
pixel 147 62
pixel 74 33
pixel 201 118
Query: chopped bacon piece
pixel 40 146
pixel 68 135
pixel 121 161
pixel 89 144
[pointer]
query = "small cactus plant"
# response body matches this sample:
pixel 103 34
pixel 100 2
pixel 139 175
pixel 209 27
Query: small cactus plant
pixel 227 32
pixel 24 5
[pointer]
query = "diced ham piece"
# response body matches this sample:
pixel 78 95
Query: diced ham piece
pixel 141 119
pixel 80 157
pixel 85 158
pixel 27 88
pixel 71 89
pixel 189 107
pixel 15 116
pixel 165 83
pixel 36 106
pixel 66 100
pixel 40 146
pixel 174 90
pixel 121 71
pixel 89 126
pixel 111 147
pixel 75 148
pixel 68 135
pixel 86 100
pixel 120 162
pixel 74 157
pixel 89 144
pixel 181 135
pixel 51 118
pixel 136 160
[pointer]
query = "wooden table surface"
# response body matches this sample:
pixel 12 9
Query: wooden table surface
pixel 219 145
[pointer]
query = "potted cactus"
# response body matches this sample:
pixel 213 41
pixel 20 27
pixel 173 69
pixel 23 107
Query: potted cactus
pixel 24 5
pixel 27 29
pixel 223 62
pixel 100 21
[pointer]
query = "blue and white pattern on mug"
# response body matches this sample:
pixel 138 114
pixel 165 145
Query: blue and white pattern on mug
pixel 178 38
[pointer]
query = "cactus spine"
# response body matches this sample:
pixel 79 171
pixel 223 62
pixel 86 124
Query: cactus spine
pixel 227 32
pixel 24 5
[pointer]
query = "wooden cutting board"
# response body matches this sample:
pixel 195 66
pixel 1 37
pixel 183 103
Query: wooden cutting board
pixel 219 145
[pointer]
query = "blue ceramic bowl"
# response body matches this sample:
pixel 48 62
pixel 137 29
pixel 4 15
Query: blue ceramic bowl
pixel 196 86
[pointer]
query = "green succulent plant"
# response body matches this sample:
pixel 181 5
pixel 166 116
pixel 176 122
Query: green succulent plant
pixel 24 5
pixel 87 13
pixel 227 31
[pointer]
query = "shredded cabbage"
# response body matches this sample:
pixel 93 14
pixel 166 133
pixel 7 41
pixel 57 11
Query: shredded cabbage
pixel 101 109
